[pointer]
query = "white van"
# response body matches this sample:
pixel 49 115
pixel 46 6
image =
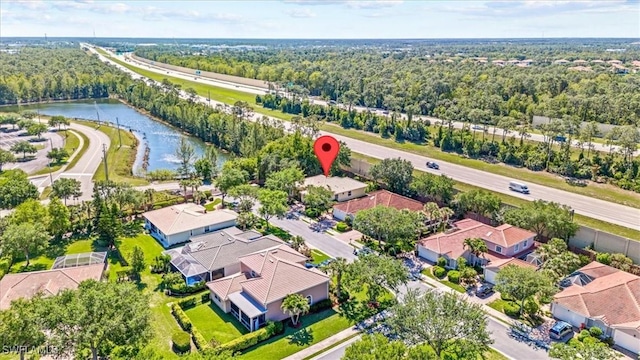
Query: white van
pixel 519 187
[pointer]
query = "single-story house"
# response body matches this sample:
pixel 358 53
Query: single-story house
pixel 492 269
pixel 254 295
pixel 504 241
pixel 214 255
pixel 602 296
pixel 176 224
pixel 48 282
pixel 373 199
pixel 343 188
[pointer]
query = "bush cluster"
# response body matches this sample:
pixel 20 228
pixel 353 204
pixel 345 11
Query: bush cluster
pixel 181 317
pixel 342 227
pixel 251 339
pixel 320 306
pixel 511 309
pixel 439 272
pixel 454 276
pixel 181 342
pixel 182 288
pixel 198 340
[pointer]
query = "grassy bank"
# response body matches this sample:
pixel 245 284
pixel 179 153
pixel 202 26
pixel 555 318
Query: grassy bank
pixel 598 191
pixel 71 143
pixel 119 159
pixel 511 200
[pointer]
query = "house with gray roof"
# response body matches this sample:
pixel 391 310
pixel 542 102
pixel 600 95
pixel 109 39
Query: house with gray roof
pixel 254 294
pixel 214 255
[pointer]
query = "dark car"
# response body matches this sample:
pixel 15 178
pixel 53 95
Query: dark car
pixel 484 290
pixel 433 165
pixel 559 330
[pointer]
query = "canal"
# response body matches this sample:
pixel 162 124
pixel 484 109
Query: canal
pixel 161 139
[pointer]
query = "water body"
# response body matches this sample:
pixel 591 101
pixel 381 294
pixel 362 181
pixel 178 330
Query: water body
pixel 161 139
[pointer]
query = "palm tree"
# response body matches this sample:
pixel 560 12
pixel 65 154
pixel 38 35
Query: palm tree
pixel 149 195
pixel 477 247
pixel 297 242
pixel 295 305
pixel 184 184
pixel 337 268
pixel 432 212
pixel 445 214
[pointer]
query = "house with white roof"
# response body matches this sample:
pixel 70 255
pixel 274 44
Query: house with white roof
pixel 176 224
pixel 255 293
pixel 343 188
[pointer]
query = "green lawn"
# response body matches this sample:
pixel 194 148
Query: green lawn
pixel 45 261
pixel 316 327
pixel 598 191
pixel 212 205
pixel 85 146
pixel 213 323
pixel 457 287
pixel 120 160
pixel 511 200
pixel 318 256
pixel 150 247
pixel 72 142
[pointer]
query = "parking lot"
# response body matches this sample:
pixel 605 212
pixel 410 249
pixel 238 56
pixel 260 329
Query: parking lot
pixel 34 162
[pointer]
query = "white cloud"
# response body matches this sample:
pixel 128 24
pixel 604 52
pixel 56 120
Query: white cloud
pixel 354 4
pixel 535 8
pixel 301 13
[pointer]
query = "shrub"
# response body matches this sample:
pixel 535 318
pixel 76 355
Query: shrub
pixel 198 340
pixel 311 213
pixel 182 288
pixel 609 341
pixel 248 340
pixel 181 342
pixel 442 262
pixel 187 303
pixel 439 271
pixel 583 335
pixel 342 227
pixel 206 297
pixel 511 309
pixel 454 276
pixel 321 305
pixel 531 307
pixel 595 331
pixel 603 258
pixel 181 317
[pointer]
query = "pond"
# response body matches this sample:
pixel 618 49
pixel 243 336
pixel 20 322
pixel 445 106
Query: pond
pixel 161 139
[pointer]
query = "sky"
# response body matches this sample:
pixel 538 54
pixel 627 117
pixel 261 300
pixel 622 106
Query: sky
pixel 326 19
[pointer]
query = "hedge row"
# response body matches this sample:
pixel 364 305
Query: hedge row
pixel 199 340
pixel 321 306
pixel 194 301
pixel 182 288
pixel 181 317
pixel 181 342
pixel 253 338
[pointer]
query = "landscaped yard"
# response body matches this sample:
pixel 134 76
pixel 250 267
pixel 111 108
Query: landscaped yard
pixel 318 256
pixel 454 286
pixel 45 261
pixel 213 323
pixel 316 327
pixel 212 205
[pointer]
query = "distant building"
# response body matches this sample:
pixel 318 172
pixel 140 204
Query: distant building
pixel 176 224
pixel 619 69
pixel 343 188
pixel 561 62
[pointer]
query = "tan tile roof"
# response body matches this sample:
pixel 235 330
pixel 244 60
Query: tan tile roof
pixel 501 263
pixel 452 243
pixel 613 296
pixel 227 285
pixel 257 260
pixel 49 282
pixel 334 183
pixel 380 197
pixel 580 68
pixel 279 278
pixel 185 217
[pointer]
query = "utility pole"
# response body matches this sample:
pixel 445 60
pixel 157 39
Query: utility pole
pixel 119 136
pixel 98 114
pixel 106 170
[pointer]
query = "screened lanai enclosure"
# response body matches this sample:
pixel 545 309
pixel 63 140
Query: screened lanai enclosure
pixel 75 260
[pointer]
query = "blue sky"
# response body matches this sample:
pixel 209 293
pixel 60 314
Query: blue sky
pixel 321 19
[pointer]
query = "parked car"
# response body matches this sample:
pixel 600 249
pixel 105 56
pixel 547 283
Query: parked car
pixel 484 290
pixel 559 330
pixel 433 165
pixel 310 265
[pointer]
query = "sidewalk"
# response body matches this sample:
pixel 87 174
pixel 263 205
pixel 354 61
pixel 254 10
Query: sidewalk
pixel 323 344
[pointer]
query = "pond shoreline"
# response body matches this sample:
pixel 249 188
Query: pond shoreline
pixel 47 102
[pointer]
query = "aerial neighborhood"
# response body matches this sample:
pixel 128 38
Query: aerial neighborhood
pixel 356 199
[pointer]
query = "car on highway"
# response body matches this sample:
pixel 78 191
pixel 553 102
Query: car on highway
pixel 518 187
pixel 433 165
pixel 560 330
pixel 477 127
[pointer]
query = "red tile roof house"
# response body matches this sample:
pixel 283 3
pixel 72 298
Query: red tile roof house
pixel 373 199
pixel 503 242
pixel 602 296
pixel 49 282
pixel 255 294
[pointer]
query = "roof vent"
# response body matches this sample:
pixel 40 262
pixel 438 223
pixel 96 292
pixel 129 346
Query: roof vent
pixel 271 261
pixel 230 239
pixel 489 233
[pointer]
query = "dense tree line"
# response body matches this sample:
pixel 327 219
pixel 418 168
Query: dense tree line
pixel 447 83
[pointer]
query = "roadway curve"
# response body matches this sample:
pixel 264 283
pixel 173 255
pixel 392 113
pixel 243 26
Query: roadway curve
pixel 584 205
pixel 261 91
pixel 86 166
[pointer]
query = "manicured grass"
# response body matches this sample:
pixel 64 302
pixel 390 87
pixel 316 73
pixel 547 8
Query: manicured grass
pixel 120 159
pixel 227 96
pixel 318 256
pixel 494 355
pixel 498 305
pixel 46 192
pixel 457 287
pixel 212 205
pixel 511 200
pixel 85 146
pixel 334 345
pixel 45 261
pixel 597 191
pixel 213 323
pixel 72 142
pixel 315 328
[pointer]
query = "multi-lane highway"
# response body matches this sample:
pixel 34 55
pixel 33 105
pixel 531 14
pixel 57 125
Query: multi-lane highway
pixel 263 90
pixel 594 208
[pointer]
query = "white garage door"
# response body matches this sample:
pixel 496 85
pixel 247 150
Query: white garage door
pixel 490 276
pixel 427 254
pixel 627 340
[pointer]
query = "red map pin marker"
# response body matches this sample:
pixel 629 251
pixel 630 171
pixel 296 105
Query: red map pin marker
pixel 326 149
